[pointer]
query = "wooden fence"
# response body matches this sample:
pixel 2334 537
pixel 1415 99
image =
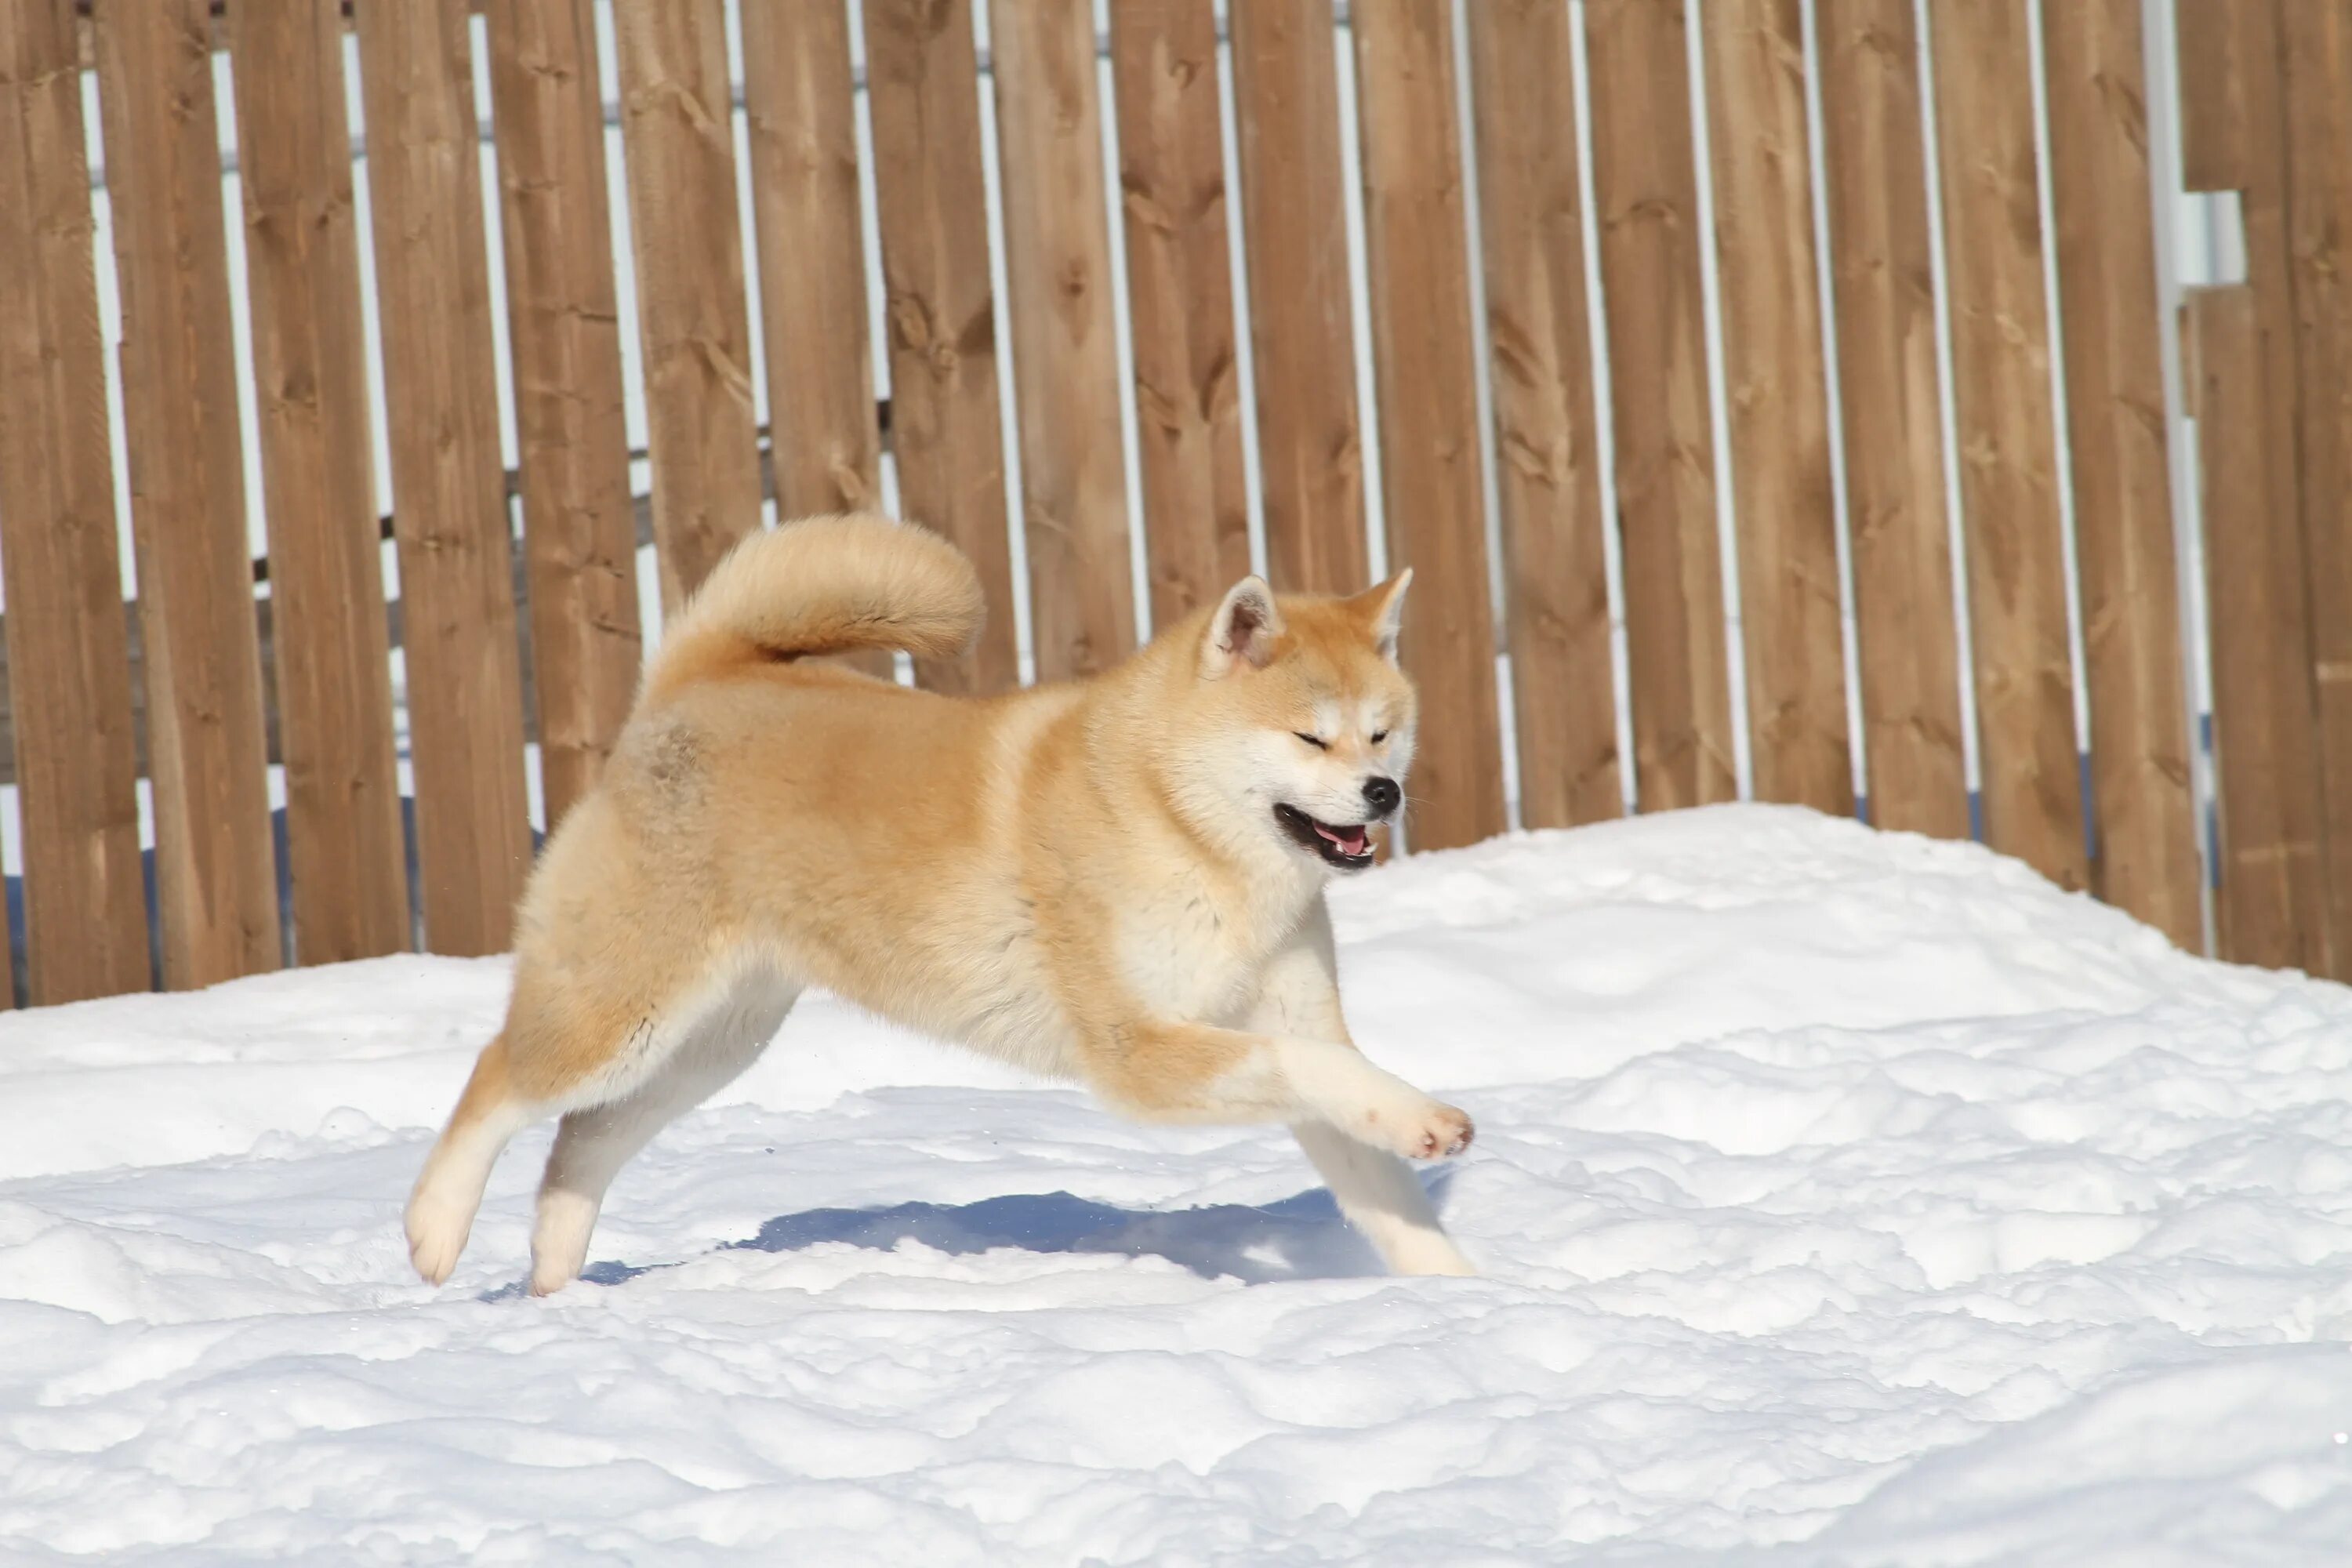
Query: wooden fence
pixel 1751 356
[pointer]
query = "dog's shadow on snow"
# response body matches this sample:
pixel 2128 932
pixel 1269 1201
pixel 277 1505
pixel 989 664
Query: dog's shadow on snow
pixel 1299 1238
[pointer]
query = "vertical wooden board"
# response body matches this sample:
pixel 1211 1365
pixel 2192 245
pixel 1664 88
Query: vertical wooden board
pixel 1776 374
pixel 1064 346
pixel 1180 291
pixel 2315 47
pixel 69 659
pixel 923 94
pixel 1295 228
pixel 1645 184
pixel 580 537
pixel 2272 902
pixel 1883 274
pixel 326 578
pixel 2007 427
pixel 464 688
pixel 1555 576
pixel 678 142
pixel 1420 262
pixel 215 873
pixel 824 442
pixel 2122 504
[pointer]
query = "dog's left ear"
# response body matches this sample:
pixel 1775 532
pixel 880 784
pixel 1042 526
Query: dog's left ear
pixel 1381 609
pixel 1242 631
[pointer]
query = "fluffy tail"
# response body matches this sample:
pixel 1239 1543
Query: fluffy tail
pixel 819 585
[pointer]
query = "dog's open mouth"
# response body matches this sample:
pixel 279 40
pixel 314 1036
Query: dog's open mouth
pixel 1348 845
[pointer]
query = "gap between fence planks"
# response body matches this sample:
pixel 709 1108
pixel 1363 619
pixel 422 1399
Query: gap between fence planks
pixel 2272 902
pixel 1884 287
pixel 923 94
pixel 1064 345
pixel 1555 577
pixel 2007 430
pixel 86 910
pixel 1418 250
pixel 216 875
pixel 448 486
pixel 1645 185
pixel 1181 302
pixel 579 520
pixel 2148 862
pixel 1311 451
pixel 347 859
pixel 676 131
pixel 1776 381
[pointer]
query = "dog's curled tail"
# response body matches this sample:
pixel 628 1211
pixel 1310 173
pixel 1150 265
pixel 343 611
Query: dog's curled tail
pixel 819 585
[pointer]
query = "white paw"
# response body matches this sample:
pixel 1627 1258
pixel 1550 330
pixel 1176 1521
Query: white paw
pixel 437 1235
pixel 1429 1131
pixel 559 1239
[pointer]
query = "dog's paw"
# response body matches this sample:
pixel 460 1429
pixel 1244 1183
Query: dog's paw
pixel 437 1235
pixel 1429 1132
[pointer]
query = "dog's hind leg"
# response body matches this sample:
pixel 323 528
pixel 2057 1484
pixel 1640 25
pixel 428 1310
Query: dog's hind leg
pixel 450 1189
pixel 594 1143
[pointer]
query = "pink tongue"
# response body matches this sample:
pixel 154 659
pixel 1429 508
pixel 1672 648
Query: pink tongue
pixel 1347 840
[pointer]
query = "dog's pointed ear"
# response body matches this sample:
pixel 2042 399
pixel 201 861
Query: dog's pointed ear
pixel 1381 610
pixel 1242 631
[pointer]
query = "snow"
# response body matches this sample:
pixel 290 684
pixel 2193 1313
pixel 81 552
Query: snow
pixel 1846 1198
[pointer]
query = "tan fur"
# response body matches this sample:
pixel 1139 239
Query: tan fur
pixel 1086 880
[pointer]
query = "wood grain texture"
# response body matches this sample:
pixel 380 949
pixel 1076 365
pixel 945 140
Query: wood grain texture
pixel 1065 335
pixel 1645 184
pixel 2147 860
pixel 2273 900
pixel 923 93
pixel 2007 426
pixel 1420 261
pixel 86 911
pixel 1180 289
pixel 449 485
pixel 1884 298
pixel 2315 46
pixel 1776 374
pixel 1293 228
pixel 579 524
pixel 1555 575
pixel 215 875
pixel 349 865
pixel 680 149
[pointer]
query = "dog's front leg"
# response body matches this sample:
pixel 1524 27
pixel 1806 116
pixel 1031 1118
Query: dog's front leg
pixel 1298 994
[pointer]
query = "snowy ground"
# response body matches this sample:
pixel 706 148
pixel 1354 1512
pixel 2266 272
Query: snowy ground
pixel 1847 1198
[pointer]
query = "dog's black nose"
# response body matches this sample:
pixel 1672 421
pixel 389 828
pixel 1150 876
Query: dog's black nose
pixel 1382 794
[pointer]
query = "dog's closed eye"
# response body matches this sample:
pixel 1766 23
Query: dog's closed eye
pixel 1320 745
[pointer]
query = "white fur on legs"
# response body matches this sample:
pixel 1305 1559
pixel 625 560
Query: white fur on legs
pixel 450 1189
pixel 1381 1197
pixel 593 1143
pixel 1368 1103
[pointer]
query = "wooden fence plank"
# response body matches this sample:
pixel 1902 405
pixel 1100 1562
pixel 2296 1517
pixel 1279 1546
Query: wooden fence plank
pixel 1555 578
pixel 309 364
pixel 923 94
pixel 1884 288
pixel 86 911
pixel 2007 429
pixel 215 875
pixel 579 525
pixel 1776 379
pixel 1180 289
pixel 1065 342
pixel 448 485
pixel 1645 183
pixel 2316 48
pixel 1294 206
pixel 2116 419
pixel 1420 264
pixel 678 145
pixel 2272 902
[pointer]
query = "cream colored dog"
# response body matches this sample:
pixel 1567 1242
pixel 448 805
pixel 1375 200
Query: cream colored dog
pixel 1117 880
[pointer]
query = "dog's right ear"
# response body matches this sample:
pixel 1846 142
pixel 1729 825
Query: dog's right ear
pixel 1243 630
